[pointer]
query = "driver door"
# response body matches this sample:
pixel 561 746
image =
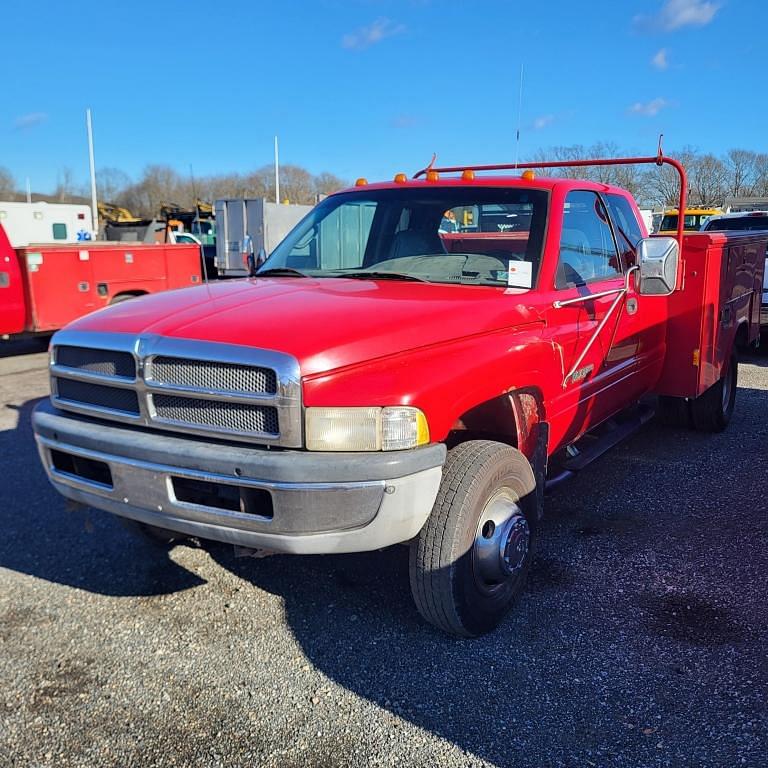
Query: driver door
pixel 591 319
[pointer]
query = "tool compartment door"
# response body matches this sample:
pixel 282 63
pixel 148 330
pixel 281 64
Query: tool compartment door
pixel 61 286
pixel 731 296
pixel 12 303
pixel 717 295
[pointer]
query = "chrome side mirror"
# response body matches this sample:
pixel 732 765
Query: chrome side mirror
pixel 658 258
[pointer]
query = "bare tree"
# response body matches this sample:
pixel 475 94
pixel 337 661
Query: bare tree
pixel 742 172
pixel 65 185
pixel 111 183
pixel 7 183
pixel 327 183
pixel 707 179
pixel 761 174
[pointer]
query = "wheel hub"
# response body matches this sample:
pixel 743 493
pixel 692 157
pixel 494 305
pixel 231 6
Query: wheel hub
pixel 502 541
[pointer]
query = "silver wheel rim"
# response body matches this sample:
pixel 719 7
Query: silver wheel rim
pixel 502 540
pixel 727 387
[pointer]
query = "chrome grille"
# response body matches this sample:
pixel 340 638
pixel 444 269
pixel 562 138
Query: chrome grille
pixel 234 417
pixel 111 398
pixel 106 362
pixel 208 375
pixel 180 385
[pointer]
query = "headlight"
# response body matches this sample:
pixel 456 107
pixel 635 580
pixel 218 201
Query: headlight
pixel 365 429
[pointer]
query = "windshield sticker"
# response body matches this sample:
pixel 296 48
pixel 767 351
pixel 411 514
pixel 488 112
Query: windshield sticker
pixel 520 274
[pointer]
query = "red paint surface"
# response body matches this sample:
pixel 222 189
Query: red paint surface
pixel 52 285
pixel 12 303
pixel 448 348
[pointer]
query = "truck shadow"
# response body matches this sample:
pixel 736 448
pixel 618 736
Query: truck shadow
pixel 33 346
pixel 79 548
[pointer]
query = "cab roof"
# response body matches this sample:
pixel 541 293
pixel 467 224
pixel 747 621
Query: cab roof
pixel 548 183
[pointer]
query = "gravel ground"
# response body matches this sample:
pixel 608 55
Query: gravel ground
pixel 640 642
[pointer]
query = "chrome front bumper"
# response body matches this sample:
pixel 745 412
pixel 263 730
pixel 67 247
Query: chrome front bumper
pixel 310 503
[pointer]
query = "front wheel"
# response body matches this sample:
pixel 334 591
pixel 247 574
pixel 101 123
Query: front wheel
pixel 471 559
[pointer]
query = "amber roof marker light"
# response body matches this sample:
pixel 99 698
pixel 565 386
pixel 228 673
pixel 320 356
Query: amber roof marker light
pixel 400 178
pixel 528 175
pixel 361 182
pixel 467 175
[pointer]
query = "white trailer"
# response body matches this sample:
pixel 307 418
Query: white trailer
pixel 31 223
pixel 266 224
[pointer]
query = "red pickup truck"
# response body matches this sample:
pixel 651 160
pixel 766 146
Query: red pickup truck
pixel 414 363
pixel 44 287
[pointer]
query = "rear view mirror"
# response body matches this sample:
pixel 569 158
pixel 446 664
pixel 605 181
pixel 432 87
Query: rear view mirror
pixel 658 258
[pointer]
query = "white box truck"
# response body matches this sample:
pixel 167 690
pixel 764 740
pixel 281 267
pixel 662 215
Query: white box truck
pixel 266 223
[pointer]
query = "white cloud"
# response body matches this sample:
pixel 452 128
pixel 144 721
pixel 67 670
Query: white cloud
pixel 25 122
pixel 648 108
pixel 675 14
pixel 659 60
pixel 372 34
pixel 542 121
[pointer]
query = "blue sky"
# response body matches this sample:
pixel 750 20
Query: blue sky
pixel 367 87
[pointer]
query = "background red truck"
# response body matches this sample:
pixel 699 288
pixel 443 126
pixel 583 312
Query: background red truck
pixel 416 362
pixel 44 287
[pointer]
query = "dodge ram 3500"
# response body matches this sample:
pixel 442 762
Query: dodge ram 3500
pixel 413 364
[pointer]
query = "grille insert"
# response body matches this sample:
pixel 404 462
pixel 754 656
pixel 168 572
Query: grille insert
pixel 204 374
pixel 111 398
pixel 106 362
pixel 236 417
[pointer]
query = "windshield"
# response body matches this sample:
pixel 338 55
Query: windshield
pixel 482 236
pixel 692 221
pixel 737 223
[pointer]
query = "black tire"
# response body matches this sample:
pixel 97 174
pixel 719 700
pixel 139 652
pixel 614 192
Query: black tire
pixel 712 410
pixel 161 537
pixel 448 560
pixel 674 411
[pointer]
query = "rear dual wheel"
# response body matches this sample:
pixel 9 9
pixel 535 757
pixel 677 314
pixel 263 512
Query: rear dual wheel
pixel 470 562
pixel 709 412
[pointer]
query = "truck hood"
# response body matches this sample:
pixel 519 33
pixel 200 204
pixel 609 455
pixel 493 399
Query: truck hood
pixel 326 323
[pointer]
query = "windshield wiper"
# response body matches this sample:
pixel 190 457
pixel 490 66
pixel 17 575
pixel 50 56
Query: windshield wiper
pixel 366 275
pixel 280 272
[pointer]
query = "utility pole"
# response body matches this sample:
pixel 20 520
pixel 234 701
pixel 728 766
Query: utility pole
pixel 94 206
pixel 29 191
pixel 277 174
pixel 519 113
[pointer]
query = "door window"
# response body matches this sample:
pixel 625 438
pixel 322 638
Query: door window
pixel 59 231
pixel 626 226
pixel 587 248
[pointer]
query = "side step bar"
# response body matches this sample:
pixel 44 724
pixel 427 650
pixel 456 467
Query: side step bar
pixel 597 443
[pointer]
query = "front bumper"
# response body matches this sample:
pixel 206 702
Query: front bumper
pixel 307 503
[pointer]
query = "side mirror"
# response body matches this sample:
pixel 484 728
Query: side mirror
pixel 261 257
pixel 658 258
